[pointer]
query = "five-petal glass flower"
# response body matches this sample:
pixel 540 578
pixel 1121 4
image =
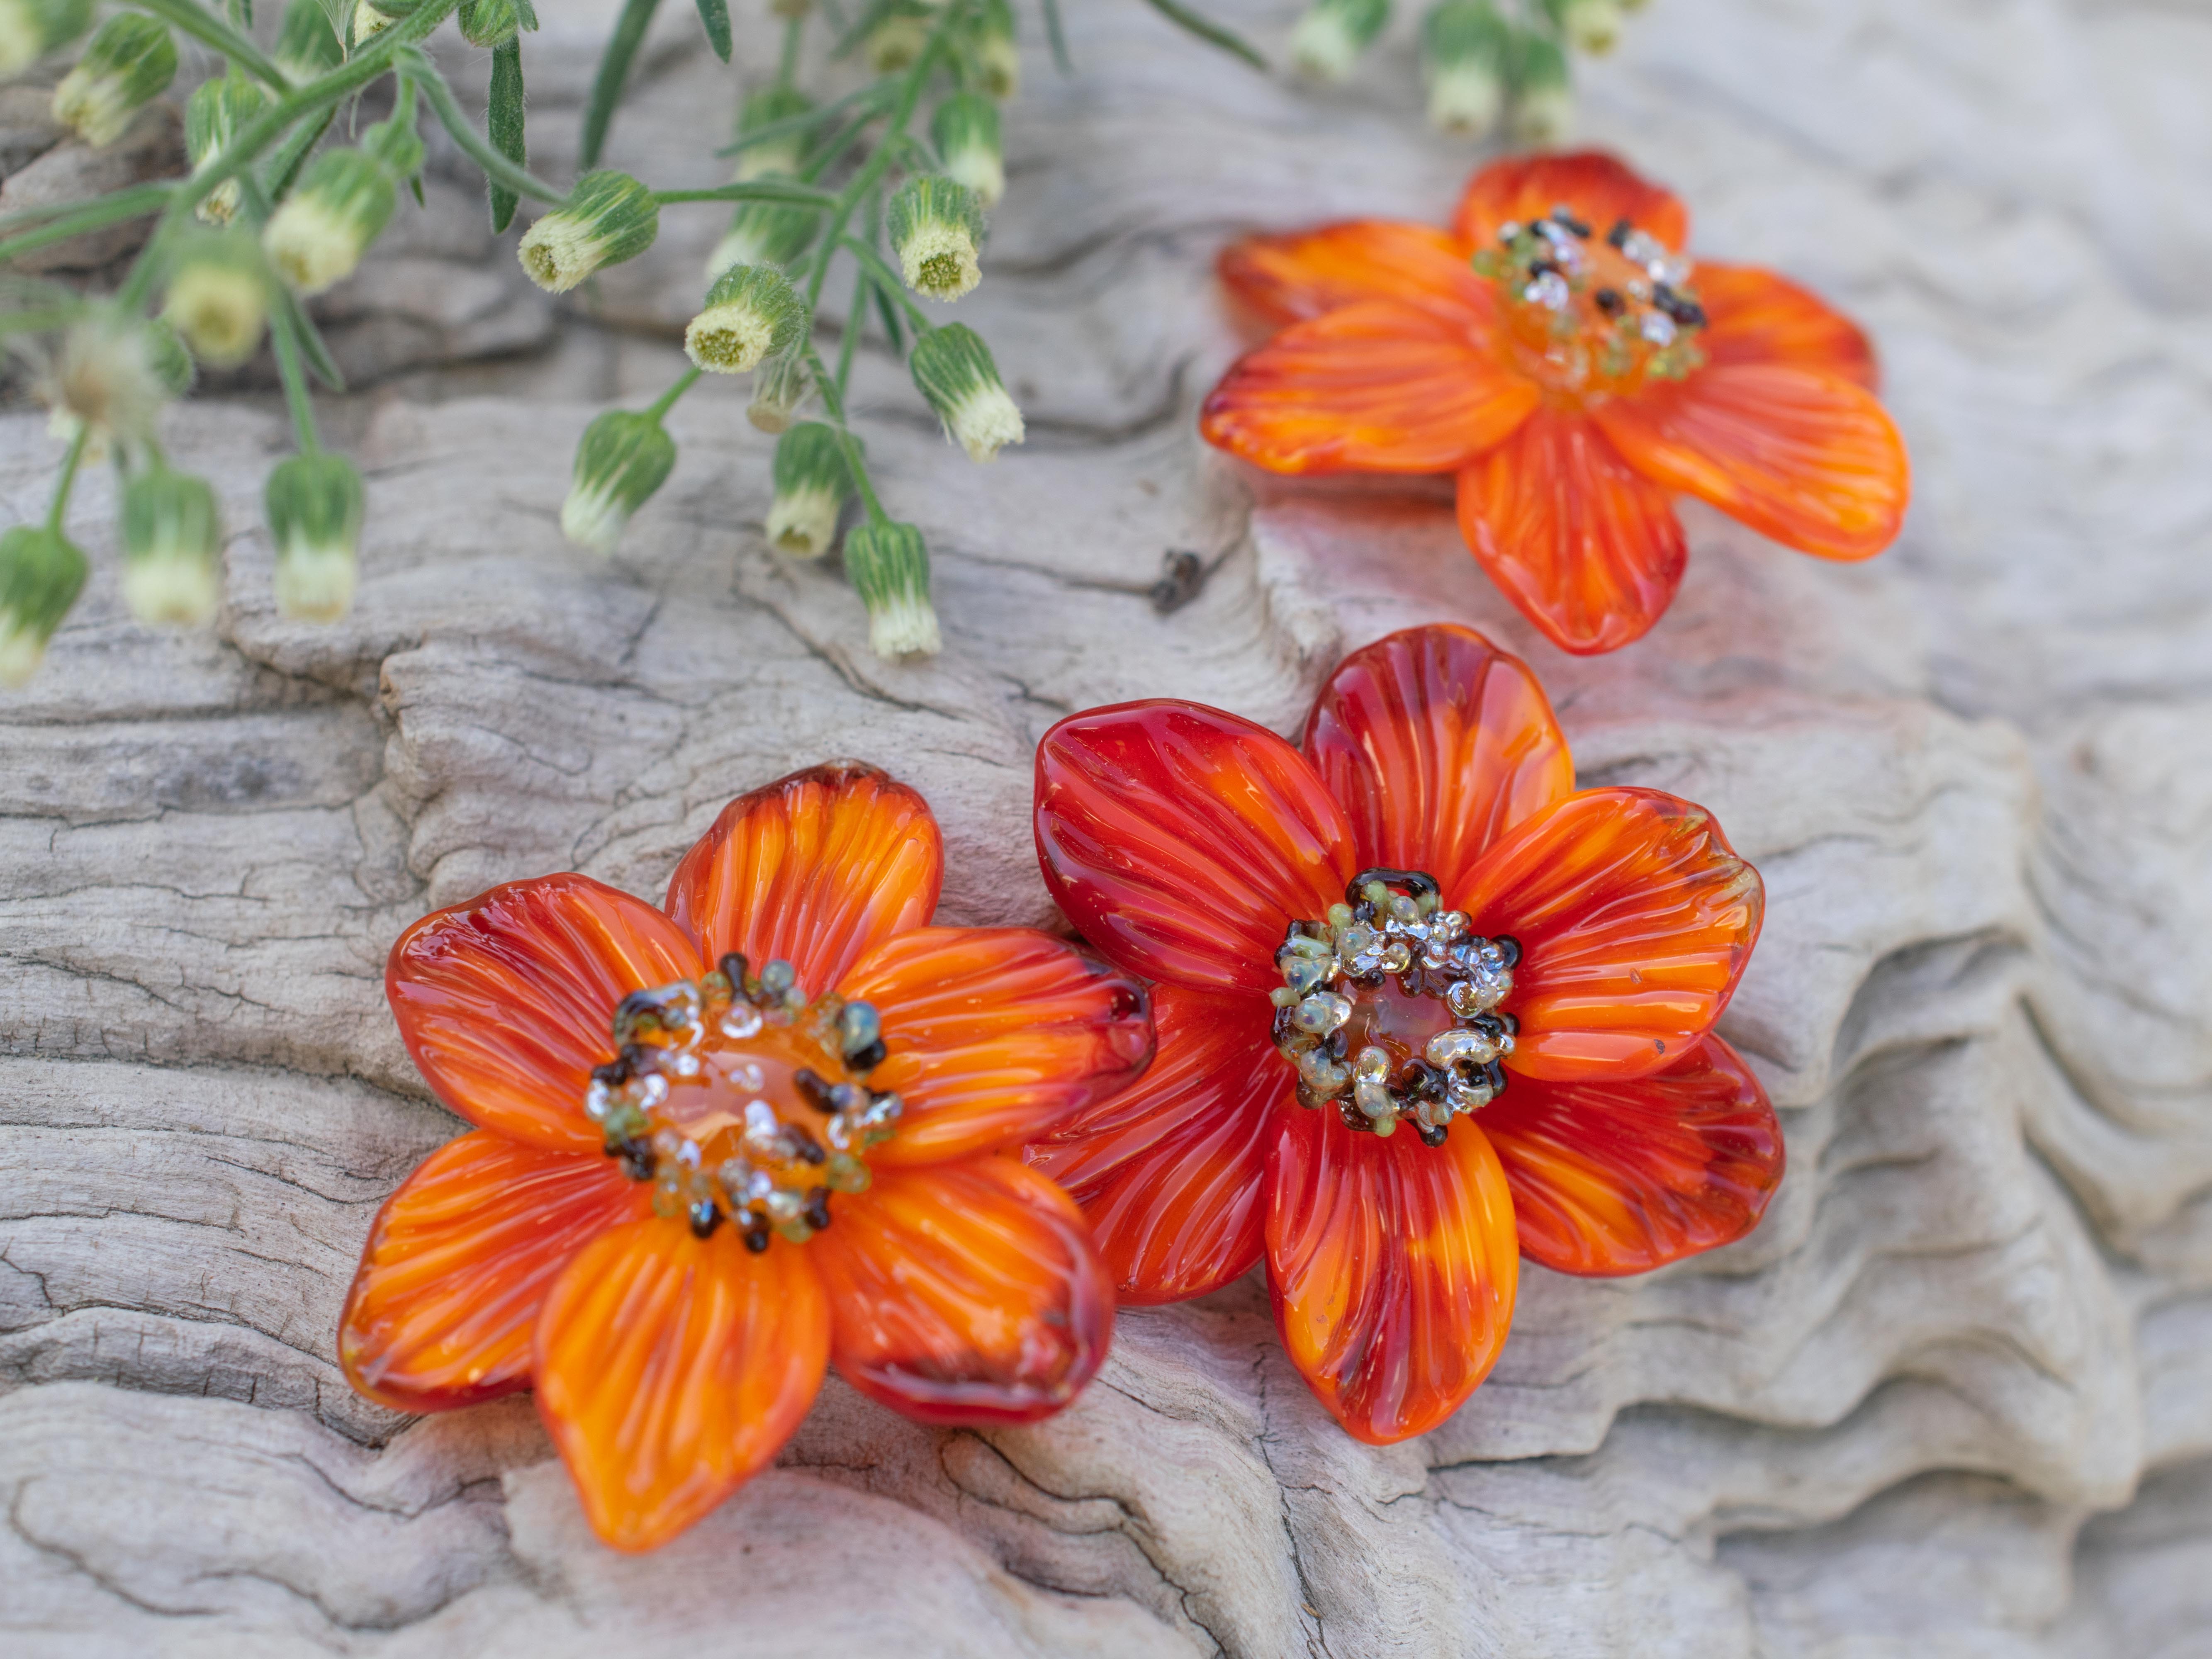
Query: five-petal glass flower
pixel 1556 350
pixel 719 1147
pixel 1356 948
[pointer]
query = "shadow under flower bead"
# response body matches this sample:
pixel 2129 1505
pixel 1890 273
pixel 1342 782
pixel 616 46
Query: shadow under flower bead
pixel 1556 351
pixel 1422 1008
pixel 722 1146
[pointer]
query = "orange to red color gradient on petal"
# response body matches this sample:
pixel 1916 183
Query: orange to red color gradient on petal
pixel 671 1232
pixel 1555 351
pixel 1205 852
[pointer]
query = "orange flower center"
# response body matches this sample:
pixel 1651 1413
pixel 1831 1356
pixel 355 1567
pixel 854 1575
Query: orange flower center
pixel 1388 1007
pixel 740 1100
pixel 1592 316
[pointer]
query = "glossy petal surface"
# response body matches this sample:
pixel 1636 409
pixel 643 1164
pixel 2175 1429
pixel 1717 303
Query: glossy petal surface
pixel 1754 316
pixel 670 1368
pixel 1289 278
pixel 819 869
pixel 1621 1177
pixel 1635 918
pixel 1586 548
pixel 965 1293
pixel 1799 454
pixel 1169 1171
pixel 1374 387
pixel 1182 841
pixel 1436 742
pixel 1602 190
pixel 996 1035
pixel 1393 1266
pixel 459 1262
pixel 505 1002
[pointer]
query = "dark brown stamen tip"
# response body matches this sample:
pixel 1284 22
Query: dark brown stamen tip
pixel 756 1233
pixel 1619 234
pixel 817 1207
pixel 704 1218
pixel 809 1148
pixel 868 1059
pixel 816 1087
pixel 1609 301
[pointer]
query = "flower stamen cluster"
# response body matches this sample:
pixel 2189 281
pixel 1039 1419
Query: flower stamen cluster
pixel 1600 315
pixel 1353 1043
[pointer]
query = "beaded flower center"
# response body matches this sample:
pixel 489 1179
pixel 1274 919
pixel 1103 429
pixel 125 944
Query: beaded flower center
pixel 740 1100
pixel 1388 1007
pixel 1594 315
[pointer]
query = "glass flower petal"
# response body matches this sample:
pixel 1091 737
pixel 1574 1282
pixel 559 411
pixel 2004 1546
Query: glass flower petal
pixel 506 1002
pixel 1288 278
pixel 965 1293
pixel 817 870
pixel 1603 190
pixel 1754 316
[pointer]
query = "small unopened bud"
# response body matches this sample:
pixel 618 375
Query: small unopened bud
pixel 217 301
pixel 314 506
pixel 764 233
pixel 1466 48
pixel 898 40
pixel 130 63
pixel 608 218
pixel 966 129
pixel 935 227
pixel 1543 101
pixel 996 58
pixel 811 483
pixel 29 29
pixel 172 548
pixel 623 457
pixel 780 390
pixel 888 568
pixel 1330 39
pixel 953 370
pixel 114 375
pixel 773 156
pixel 397 145
pixel 307 42
pixel 489 22
pixel 752 311
pixel 1592 26
pixel 217 109
pixel 368 22
pixel 316 239
pixel 41 574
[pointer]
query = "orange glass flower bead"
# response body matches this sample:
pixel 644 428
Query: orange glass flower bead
pixel 1557 352
pixel 722 1146
pixel 1423 1008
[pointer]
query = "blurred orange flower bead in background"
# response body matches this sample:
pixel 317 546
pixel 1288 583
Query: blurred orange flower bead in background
pixel 722 1146
pixel 1556 352
pixel 1357 948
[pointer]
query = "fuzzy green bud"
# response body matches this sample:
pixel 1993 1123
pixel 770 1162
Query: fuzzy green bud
pixel 1543 101
pixel 1592 26
pixel 114 375
pixel 217 109
pixel 780 390
pixel 130 63
pixel 608 218
pixel 307 43
pixel 1330 39
pixel 172 548
pixel 41 574
pixel 953 371
pixel 314 504
pixel 936 226
pixel 29 29
pixel 623 457
pixel 368 22
pixel 898 39
pixel 966 130
pixel 764 233
pixel 888 568
pixel 397 145
pixel 1466 50
pixel 316 239
pixel 217 301
pixel 752 311
pixel 773 156
pixel 811 482
pixel 489 22
pixel 996 58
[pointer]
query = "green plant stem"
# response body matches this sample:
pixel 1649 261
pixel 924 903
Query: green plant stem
pixel 209 30
pixel 791 124
pixel 131 203
pixel 666 401
pixel 787 66
pixel 422 72
pixel 285 338
pixel 874 265
pixel 849 342
pixel 614 69
pixel 758 190
pixel 1058 36
pixel 833 404
pixel 292 155
pixel 67 482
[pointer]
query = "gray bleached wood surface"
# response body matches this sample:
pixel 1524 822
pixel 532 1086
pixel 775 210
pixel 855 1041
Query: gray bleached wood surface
pixel 1955 1397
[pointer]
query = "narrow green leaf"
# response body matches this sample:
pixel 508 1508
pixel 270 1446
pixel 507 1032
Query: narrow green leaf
pixel 291 314
pixel 1207 30
pixel 614 70
pixel 889 312
pixel 503 119
pixel 525 16
pixel 716 15
pixel 1058 36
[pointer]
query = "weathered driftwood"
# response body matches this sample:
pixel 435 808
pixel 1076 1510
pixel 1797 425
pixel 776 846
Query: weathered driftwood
pixel 1955 1396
